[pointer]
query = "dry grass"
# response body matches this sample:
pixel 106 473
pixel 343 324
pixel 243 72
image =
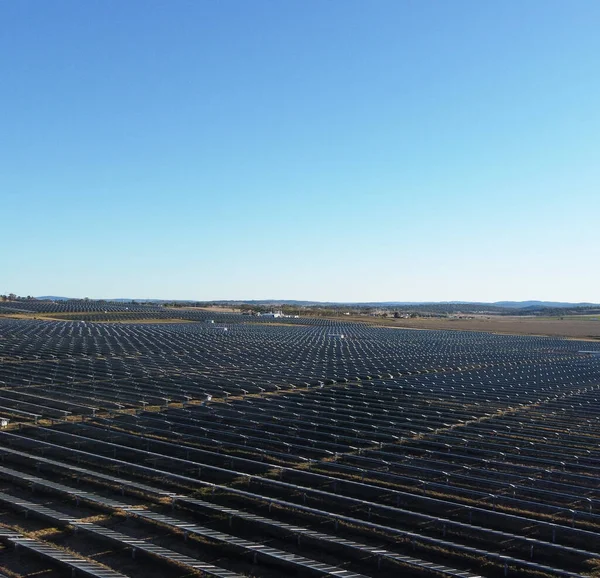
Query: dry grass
pixel 44 533
pixel 581 327
pixel 115 317
pixel 97 519
pixel 21 316
pixel 9 573
pixel 212 308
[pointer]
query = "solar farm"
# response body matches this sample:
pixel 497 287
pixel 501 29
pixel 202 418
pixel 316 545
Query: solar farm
pixel 214 444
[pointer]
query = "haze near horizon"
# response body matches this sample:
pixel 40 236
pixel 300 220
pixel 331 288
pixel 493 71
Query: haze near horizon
pixel 331 151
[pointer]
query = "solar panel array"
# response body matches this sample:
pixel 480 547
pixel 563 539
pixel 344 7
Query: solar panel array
pixel 278 450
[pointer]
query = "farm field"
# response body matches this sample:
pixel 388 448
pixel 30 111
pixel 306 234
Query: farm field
pixel 214 446
pixel 584 327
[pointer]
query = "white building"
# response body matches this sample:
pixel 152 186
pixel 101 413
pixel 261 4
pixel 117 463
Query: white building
pixel 273 314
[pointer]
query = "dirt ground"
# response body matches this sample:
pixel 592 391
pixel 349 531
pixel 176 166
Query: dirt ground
pixel 584 327
pixel 213 308
pixel 574 327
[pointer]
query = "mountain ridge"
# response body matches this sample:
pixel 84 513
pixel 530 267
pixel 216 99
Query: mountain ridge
pixel 504 304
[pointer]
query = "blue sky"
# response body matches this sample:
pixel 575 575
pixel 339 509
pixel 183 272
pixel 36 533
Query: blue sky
pixel 332 150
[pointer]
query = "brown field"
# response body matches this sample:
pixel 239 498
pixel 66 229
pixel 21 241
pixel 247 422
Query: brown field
pixel 584 327
pixel 213 308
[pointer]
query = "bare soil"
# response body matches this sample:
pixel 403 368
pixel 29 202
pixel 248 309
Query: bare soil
pixel 213 308
pixel 583 327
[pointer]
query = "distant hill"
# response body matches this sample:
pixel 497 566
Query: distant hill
pixel 299 303
pixel 52 298
pixel 536 304
pixel 504 304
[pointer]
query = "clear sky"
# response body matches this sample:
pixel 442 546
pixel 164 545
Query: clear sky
pixel 338 150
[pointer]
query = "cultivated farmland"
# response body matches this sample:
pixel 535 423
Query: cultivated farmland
pixel 226 446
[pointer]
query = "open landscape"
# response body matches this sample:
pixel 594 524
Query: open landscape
pixel 300 289
pixel 232 446
pixel 584 327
